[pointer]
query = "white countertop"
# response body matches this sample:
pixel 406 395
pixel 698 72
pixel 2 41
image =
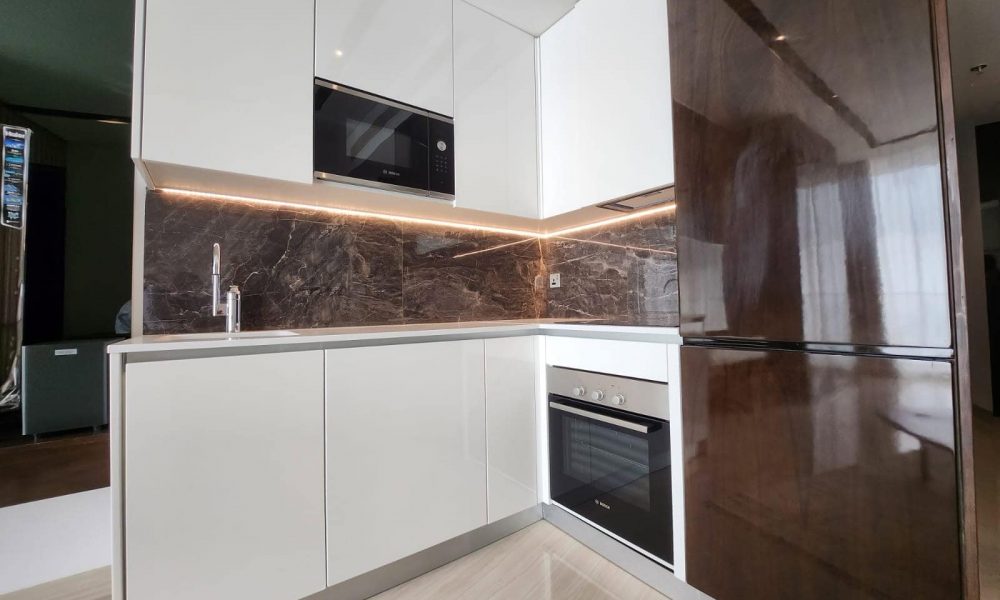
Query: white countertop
pixel 418 332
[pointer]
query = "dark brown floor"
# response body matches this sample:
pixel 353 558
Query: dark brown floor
pixel 53 465
pixel 986 438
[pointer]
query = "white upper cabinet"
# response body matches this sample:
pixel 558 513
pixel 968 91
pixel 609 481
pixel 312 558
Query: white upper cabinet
pixel 606 121
pixel 227 86
pixel 399 49
pixel 496 134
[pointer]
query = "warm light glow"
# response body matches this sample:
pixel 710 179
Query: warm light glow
pixel 492 248
pixel 612 221
pixel 348 212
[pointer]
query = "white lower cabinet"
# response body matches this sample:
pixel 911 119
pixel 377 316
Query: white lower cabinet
pixel 224 477
pixel 511 370
pixel 405 450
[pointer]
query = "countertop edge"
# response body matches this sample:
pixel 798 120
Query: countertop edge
pixel 361 336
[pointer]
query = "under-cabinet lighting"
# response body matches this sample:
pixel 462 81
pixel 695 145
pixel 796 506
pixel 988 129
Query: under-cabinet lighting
pixel 350 212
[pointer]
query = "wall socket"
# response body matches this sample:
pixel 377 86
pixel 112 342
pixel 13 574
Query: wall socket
pixel 554 280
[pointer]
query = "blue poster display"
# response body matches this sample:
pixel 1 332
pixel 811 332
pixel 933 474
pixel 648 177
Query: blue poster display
pixel 14 161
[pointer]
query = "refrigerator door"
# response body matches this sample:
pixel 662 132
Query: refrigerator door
pixel 817 476
pixel 810 205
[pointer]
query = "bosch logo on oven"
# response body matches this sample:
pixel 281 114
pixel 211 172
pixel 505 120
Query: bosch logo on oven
pixel 388 172
pixel 602 505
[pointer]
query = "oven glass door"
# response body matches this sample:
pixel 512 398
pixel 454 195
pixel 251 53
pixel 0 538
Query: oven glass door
pixel 612 468
pixel 356 136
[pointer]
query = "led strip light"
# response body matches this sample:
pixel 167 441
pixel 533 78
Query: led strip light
pixel 349 212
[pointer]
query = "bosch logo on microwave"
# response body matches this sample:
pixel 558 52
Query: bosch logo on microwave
pixel 388 172
pixel 602 505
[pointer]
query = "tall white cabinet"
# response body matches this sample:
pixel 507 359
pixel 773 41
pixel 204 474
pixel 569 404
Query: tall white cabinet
pixel 224 477
pixel 607 127
pixel 400 49
pixel 227 86
pixel 496 133
pixel 405 451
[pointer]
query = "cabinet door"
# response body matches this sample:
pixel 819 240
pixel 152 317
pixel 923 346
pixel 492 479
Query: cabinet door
pixel 227 85
pixel 511 371
pixel 406 451
pixel 400 49
pixel 607 129
pixel 495 115
pixel 224 477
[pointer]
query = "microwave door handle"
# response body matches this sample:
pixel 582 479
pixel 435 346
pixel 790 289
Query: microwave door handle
pixel 599 417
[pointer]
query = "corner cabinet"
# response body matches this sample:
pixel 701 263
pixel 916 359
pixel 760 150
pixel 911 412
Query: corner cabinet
pixel 223 479
pixel 405 451
pixel 496 115
pixel 511 434
pixel 399 49
pixel 226 85
pixel 425 442
pixel 606 108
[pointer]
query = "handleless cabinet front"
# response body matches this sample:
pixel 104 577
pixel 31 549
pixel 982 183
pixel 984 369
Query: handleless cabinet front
pixel 607 125
pixel 224 477
pixel 227 86
pixel 511 434
pixel 496 126
pixel 398 49
pixel 405 451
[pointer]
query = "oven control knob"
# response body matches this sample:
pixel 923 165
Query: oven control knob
pixel 618 400
pixel 579 391
pixel 597 395
pixel 442 146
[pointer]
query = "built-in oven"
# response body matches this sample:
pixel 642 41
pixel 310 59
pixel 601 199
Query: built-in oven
pixel 364 139
pixel 609 456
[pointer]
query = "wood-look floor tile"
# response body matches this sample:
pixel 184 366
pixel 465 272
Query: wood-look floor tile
pixel 536 563
pixel 91 585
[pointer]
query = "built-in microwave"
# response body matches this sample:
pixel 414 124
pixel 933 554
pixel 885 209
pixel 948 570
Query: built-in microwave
pixel 364 139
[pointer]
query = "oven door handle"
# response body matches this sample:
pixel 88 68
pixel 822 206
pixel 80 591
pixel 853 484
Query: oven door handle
pixel 599 417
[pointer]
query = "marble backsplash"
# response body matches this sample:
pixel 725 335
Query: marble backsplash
pixel 302 268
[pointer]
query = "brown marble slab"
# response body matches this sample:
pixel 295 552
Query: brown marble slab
pixel 302 268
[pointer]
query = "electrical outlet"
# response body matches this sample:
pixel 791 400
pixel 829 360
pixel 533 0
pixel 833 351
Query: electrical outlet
pixel 554 280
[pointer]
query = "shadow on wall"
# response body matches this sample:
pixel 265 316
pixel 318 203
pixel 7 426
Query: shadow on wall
pixel 301 268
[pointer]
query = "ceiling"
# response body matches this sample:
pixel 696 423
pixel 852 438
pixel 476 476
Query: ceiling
pixel 975 39
pixel 533 16
pixel 72 56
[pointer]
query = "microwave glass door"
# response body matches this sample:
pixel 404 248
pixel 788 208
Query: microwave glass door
pixel 612 468
pixel 358 137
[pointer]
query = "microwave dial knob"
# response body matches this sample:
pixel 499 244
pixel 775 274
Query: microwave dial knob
pixel 442 146
pixel 618 400
pixel 597 395
pixel 579 391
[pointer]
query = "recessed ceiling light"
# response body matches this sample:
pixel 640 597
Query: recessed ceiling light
pixel 338 52
pixel 979 68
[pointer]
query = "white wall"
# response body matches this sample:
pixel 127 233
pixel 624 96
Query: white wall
pixel 972 233
pixel 54 538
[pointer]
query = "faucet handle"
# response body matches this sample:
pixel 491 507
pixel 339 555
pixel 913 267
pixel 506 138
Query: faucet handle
pixel 234 309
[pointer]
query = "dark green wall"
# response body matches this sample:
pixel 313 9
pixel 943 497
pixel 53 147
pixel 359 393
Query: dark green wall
pixel 98 236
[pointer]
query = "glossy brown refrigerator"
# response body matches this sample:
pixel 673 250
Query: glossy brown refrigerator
pixel 818 371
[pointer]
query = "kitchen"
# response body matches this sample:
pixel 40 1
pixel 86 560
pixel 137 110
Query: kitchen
pixel 680 282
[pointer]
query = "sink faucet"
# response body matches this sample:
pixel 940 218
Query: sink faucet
pixel 232 307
